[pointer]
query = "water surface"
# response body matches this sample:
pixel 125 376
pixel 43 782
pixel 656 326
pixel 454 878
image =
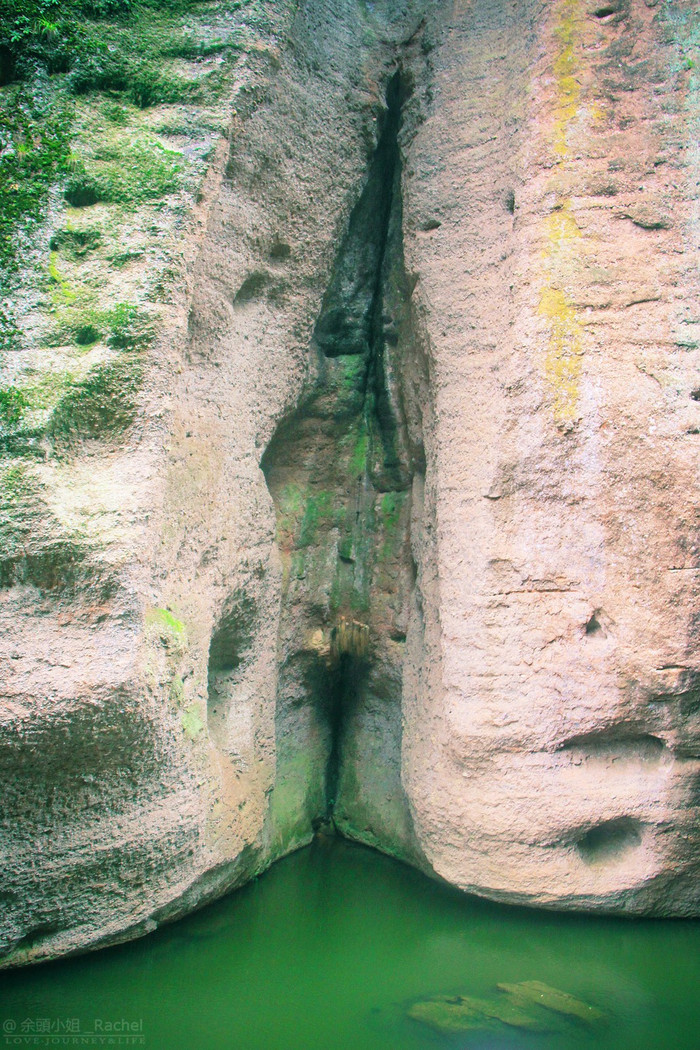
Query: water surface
pixel 329 949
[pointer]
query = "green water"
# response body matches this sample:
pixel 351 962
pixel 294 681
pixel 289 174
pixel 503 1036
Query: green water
pixel 329 949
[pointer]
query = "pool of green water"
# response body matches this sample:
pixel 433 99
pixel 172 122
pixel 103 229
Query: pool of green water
pixel 330 949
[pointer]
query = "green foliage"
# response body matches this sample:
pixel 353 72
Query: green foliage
pixel 12 405
pixel 131 328
pixel 47 33
pixel 10 335
pixel 34 151
pixel 115 113
pixel 118 47
pixel 124 327
pixel 105 45
pixel 103 66
pixel 75 243
pixel 128 173
pixel 34 32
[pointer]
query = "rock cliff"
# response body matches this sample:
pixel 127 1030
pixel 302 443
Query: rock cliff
pixel 349 476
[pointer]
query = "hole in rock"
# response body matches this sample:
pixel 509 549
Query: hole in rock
pixel 343 691
pixel 279 250
pixel 86 335
pixel 228 648
pixel 610 840
pixel 617 742
pixel 695 394
pixel 595 625
pixel 606 11
pixel 80 193
pixel 34 937
pixel 7 66
pixel 251 287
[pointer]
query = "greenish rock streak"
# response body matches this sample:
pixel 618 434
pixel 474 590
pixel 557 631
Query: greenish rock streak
pixel 535 992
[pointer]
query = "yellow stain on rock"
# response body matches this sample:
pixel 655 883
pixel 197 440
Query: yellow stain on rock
pixel 563 363
pixel 568 87
pixel 564 358
pixel 562 230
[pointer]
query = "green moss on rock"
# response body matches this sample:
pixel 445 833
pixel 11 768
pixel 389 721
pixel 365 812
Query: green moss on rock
pixel 460 1013
pixel 177 691
pixel 34 152
pixel 528 993
pixel 191 721
pixel 125 172
pixel 102 405
pixel 12 405
pixel 165 626
pixel 317 512
pixel 75 243
pixel 52 567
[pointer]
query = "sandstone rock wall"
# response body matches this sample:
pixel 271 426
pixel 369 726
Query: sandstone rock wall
pixel 401 534
pixel 562 764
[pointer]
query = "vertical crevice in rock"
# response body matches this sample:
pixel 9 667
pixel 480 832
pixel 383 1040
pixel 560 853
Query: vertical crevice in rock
pixel 344 680
pixel 340 469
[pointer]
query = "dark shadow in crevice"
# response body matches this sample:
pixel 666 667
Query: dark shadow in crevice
pixel 343 694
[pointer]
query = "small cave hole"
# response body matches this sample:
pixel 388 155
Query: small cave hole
pixel 695 394
pixel 228 648
pixel 348 667
pixel 81 193
pixel 610 840
pixel 86 335
pixel 615 742
pixel 7 66
pixel 34 937
pixel 594 625
pixel 279 250
pixel 605 11
pixel 251 287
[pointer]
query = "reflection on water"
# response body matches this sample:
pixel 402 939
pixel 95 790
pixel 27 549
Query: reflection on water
pixel 333 948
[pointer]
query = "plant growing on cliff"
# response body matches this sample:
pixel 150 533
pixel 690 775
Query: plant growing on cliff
pixel 34 151
pixel 12 405
pixel 52 49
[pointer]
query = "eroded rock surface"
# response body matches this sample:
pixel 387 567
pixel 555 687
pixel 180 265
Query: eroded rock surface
pixel 388 522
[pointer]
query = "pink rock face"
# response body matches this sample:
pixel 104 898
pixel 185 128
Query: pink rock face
pixel 554 760
pixel 517 602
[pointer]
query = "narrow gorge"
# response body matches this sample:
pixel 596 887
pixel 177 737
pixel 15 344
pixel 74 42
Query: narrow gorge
pixel 348 453
pixel 346 471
